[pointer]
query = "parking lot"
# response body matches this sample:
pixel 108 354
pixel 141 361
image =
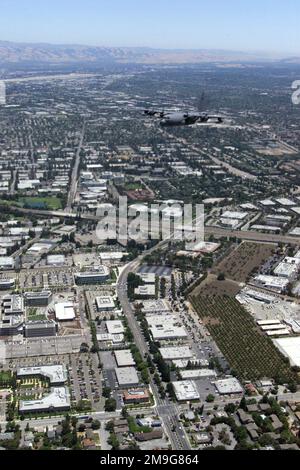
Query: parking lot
pixel 162 271
pixel 37 361
pixel 46 277
pixel 84 375
pixel 45 346
pixel 109 376
pixel 85 381
pixel 199 341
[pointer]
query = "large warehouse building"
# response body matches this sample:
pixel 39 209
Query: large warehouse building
pixel 64 311
pixel 290 347
pixel 176 352
pixel 127 376
pixel 124 358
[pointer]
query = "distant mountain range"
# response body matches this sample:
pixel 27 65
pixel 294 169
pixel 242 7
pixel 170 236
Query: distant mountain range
pixel 18 53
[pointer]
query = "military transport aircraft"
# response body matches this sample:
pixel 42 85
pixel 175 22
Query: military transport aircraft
pixel 186 118
pixel 178 118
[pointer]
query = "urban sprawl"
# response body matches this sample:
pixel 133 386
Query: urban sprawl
pixel 146 344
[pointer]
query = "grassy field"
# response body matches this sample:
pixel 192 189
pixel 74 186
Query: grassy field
pixel 38 317
pixel 32 315
pixel 35 202
pixel 250 354
pixel 5 377
pixel 133 186
pixel 50 202
pixel 242 261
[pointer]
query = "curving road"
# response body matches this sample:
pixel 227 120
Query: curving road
pixel 168 411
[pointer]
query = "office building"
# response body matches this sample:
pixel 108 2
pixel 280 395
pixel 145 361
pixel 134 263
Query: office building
pixel 64 311
pixel 93 277
pixel 105 303
pixel 55 374
pixel 36 329
pixel 13 304
pixel 38 299
pixel 57 400
pixel 186 390
pixel 136 396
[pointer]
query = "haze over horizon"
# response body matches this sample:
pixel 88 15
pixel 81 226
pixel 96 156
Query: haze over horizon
pixel 156 24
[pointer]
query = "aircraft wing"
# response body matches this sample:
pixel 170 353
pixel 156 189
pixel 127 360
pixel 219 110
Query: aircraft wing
pixel 152 113
pixel 204 117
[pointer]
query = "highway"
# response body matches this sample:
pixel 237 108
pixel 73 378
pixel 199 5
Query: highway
pixel 217 232
pixel 68 76
pixel 252 236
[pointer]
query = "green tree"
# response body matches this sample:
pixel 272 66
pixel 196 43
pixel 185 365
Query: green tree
pixel 110 404
pixel 95 424
pixel 106 392
pixel 210 398
pixel 110 426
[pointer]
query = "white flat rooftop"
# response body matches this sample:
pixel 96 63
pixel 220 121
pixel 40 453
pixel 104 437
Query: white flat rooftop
pixel 64 311
pixel 114 338
pixel 197 373
pixel 267 202
pixel 114 326
pixel 176 352
pixel 205 247
pixel 186 390
pixel 268 322
pixel 105 302
pixel 147 277
pixel 55 373
pixel 283 201
pixel 124 358
pixel 282 332
pixel 112 255
pixel 126 376
pixel 234 215
pixel 56 259
pixel 272 281
pixel 295 231
pixel 58 398
pixel 269 228
pixel 148 289
pixel 290 347
pixel 228 386
pixel 155 306
pixel 168 330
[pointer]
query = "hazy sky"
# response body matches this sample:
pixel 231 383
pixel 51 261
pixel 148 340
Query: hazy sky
pixel 252 25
